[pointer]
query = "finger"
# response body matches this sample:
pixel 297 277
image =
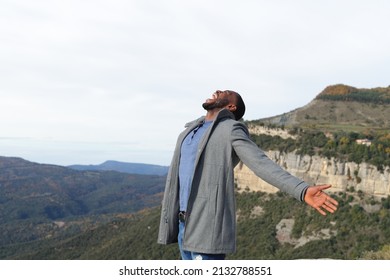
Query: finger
pixel 333 201
pixel 330 200
pixel 331 204
pixel 329 208
pixel 324 187
pixel 322 212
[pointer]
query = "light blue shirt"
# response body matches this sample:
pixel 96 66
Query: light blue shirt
pixel 189 149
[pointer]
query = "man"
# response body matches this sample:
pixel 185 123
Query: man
pixel 198 208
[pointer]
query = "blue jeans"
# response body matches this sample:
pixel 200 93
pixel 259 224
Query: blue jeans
pixel 187 255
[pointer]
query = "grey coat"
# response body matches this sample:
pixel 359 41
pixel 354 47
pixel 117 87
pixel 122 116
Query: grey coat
pixel 211 212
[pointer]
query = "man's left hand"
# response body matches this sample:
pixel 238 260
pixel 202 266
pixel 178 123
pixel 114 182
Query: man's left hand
pixel 319 200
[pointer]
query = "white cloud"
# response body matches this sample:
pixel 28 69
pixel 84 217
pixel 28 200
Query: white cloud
pixel 108 72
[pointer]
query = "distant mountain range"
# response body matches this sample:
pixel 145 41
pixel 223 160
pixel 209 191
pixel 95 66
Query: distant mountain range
pixel 33 196
pixel 125 167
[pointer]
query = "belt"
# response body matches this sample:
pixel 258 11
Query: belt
pixel 182 216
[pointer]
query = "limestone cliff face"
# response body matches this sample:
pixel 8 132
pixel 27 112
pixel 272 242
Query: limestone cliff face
pixel 318 170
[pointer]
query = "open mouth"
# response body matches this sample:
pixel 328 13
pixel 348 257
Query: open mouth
pixel 213 97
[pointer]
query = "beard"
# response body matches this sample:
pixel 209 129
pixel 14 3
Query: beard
pixel 218 103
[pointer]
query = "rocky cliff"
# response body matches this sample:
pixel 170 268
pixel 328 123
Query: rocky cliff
pixel 318 170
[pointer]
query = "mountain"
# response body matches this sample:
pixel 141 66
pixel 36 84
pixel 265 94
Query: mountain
pixel 341 138
pixel 131 168
pixel 339 107
pixel 35 198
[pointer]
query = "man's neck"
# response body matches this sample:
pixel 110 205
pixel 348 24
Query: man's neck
pixel 212 114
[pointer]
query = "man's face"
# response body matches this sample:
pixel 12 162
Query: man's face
pixel 219 99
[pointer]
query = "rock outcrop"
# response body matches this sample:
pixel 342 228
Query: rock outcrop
pixel 319 170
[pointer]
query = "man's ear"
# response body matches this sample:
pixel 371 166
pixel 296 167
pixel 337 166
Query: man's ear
pixel 232 107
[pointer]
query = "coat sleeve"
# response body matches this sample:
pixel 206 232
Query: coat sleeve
pixel 265 168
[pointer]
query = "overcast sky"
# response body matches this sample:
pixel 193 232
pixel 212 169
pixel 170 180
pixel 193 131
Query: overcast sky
pixel 82 82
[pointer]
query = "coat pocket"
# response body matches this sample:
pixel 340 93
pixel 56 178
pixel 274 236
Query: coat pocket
pixel 209 180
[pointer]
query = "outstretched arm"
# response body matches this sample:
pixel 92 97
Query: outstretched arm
pixel 319 200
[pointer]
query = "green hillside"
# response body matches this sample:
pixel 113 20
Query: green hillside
pixel 359 230
pixel 37 200
pixel 347 93
pixel 339 108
